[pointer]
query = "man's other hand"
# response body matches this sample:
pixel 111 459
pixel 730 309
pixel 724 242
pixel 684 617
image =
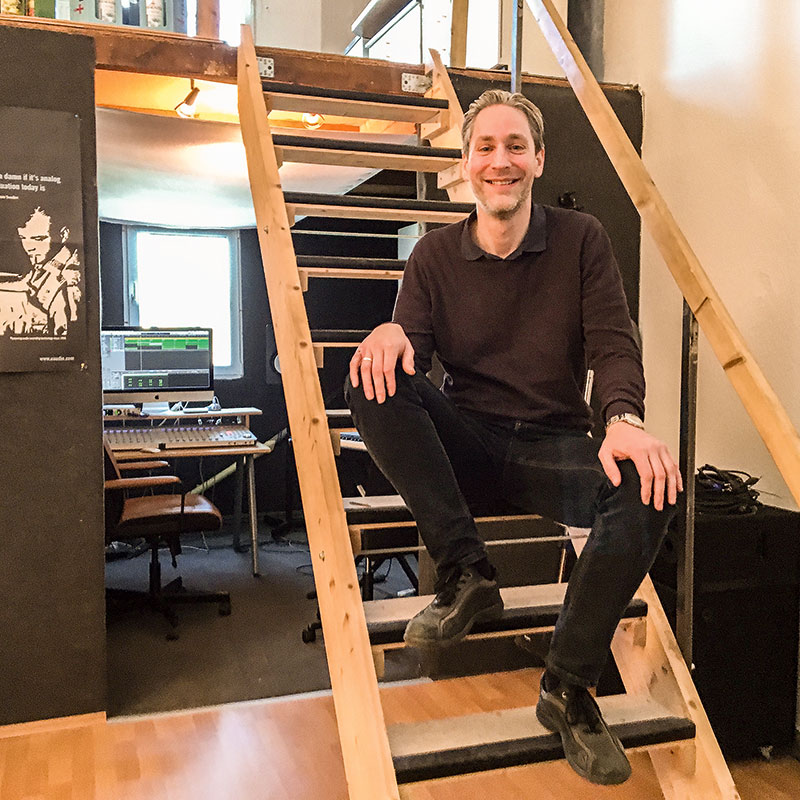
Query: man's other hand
pixel 375 360
pixel 658 472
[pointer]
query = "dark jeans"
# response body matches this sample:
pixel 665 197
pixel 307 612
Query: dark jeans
pixel 448 463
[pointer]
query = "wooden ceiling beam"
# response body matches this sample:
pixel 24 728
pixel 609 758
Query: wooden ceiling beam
pixel 164 53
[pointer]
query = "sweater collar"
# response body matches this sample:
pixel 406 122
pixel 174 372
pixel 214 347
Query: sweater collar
pixel 534 241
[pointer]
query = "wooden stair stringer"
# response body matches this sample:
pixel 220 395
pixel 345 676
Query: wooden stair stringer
pixel 359 714
pixel 651 665
pixel 451 179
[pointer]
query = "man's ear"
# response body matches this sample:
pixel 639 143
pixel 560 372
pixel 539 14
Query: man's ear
pixel 539 163
pixel 64 233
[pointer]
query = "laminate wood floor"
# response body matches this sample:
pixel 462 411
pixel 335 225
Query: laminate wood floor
pixel 287 749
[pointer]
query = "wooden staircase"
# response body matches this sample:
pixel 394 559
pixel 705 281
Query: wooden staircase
pixel 660 710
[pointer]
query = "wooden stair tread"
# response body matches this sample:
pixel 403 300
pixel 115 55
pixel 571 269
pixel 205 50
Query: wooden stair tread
pixel 304 90
pixel 525 607
pixel 360 201
pixel 493 740
pixel 391 508
pixel 347 262
pixel 352 274
pixel 339 418
pixel 366 154
pixel 388 212
pixel 345 102
pixel 324 336
pixel 287 140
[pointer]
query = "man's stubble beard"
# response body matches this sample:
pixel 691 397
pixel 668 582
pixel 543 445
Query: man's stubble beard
pixel 507 213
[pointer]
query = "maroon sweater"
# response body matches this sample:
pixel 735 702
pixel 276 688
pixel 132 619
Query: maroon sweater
pixel 516 335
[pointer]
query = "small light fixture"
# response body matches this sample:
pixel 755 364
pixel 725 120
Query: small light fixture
pixel 312 121
pixel 186 108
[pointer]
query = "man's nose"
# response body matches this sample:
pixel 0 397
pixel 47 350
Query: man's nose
pixel 500 157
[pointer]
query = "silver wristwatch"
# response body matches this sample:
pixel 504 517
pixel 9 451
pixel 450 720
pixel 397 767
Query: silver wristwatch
pixel 631 419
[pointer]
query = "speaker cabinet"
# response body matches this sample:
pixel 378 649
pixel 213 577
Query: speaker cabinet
pixel 746 611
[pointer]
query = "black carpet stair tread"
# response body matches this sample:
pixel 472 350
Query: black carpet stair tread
pixel 388 203
pixel 376 508
pixel 525 607
pixel 493 740
pixel 363 146
pixel 276 87
pixel 322 336
pixel 346 262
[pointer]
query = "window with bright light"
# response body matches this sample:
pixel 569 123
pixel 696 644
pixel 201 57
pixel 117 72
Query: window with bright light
pixel 188 278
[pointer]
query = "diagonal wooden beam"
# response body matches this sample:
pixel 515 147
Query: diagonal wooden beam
pixel 451 179
pixel 359 715
pixel 759 399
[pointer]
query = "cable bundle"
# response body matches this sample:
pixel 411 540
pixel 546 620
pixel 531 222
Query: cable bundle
pixel 721 491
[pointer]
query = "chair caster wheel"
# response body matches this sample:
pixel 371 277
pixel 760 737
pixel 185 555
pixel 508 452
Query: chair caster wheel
pixel 225 609
pixel 309 635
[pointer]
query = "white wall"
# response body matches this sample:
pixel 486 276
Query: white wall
pixel 337 17
pixel 295 24
pixel 722 142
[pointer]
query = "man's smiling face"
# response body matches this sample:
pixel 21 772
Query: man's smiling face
pixel 502 161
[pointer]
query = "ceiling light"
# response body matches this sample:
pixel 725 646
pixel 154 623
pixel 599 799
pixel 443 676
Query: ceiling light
pixel 313 121
pixel 186 108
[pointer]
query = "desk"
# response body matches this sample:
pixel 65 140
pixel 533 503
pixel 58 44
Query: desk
pixel 245 456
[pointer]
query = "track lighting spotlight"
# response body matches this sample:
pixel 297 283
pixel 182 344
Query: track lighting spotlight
pixel 186 108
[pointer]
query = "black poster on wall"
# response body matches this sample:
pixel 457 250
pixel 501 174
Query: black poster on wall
pixel 42 305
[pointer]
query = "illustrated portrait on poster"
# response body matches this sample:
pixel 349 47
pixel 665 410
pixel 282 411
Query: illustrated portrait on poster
pixel 42 283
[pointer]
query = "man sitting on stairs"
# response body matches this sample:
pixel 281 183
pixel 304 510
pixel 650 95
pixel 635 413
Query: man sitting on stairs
pixel 517 301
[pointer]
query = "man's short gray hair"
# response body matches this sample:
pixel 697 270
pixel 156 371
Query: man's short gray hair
pixel 499 97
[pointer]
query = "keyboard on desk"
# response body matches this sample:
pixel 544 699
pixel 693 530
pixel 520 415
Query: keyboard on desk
pixel 176 437
pixel 351 440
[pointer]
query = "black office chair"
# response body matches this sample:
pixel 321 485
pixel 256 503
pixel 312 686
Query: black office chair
pixel 158 519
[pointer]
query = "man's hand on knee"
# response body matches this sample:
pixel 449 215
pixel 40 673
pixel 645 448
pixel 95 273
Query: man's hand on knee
pixel 375 359
pixel 658 472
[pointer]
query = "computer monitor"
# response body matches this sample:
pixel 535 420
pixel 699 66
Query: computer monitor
pixel 156 365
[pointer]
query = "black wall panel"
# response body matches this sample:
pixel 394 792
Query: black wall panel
pixel 52 623
pixel 745 636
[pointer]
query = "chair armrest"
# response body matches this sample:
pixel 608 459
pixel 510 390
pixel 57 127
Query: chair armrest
pixel 124 466
pixel 143 482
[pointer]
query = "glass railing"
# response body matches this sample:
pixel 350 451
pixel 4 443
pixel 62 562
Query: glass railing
pixel 423 24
